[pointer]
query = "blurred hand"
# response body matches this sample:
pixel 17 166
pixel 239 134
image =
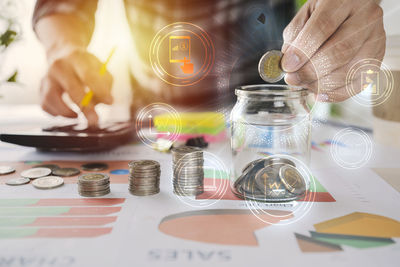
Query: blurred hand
pixel 72 70
pixel 74 74
pixel 325 39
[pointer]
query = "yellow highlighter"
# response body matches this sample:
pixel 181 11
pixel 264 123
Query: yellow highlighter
pixel 87 98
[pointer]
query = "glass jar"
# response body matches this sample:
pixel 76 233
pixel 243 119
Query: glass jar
pixel 269 120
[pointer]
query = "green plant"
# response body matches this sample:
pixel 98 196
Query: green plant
pixel 9 31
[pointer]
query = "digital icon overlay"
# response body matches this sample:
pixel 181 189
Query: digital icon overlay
pixel 145 124
pixel 182 54
pixel 373 79
pixel 351 148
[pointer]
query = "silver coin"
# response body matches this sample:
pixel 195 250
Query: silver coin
pixel 6 170
pixel 17 181
pixel 292 180
pixel 48 182
pixel 52 167
pixel 267 179
pixel 185 149
pixel 277 160
pixel 65 172
pixel 36 173
pixel 269 66
pixel 144 164
pixel 144 178
pixel 94 194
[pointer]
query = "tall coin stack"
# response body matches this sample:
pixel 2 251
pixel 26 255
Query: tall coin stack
pixel 93 184
pixel 188 172
pixel 144 177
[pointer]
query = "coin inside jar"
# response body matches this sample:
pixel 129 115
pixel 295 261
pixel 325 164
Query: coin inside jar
pixel 292 179
pixel 260 181
pixel 269 66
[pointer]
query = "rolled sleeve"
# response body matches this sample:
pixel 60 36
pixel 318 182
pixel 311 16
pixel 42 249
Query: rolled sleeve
pixel 83 10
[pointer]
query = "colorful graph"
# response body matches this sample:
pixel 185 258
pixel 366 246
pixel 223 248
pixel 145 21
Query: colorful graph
pixel 219 226
pixel 117 170
pixel 318 146
pixel 358 230
pixel 58 217
pixel 215 182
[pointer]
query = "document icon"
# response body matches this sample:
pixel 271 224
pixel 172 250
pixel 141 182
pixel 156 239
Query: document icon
pixel 370 81
pixel 179 52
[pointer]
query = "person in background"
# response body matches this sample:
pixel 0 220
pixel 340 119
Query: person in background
pixel 319 43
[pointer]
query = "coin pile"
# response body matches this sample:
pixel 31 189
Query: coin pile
pixel 93 184
pixel 269 66
pixel 144 179
pixel 270 180
pixel 188 172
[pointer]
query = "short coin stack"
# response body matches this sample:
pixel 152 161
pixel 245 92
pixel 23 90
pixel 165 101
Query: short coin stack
pixel 144 177
pixel 93 184
pixel 188 172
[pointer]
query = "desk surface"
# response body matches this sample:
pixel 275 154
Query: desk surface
pixel 354 219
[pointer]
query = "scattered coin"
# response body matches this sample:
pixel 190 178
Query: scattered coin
pixel 269 66
pixel 36 173
pixel 292 179
pixel 188 172
pixel 6 170
pixel 94 166
pixel 93 184
pixel 52 167
pixel 17 181
pixel 144 179
pixel 48 182
pixel 65 172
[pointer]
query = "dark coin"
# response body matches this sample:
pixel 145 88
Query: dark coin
pixel 94 166
pixel 65 172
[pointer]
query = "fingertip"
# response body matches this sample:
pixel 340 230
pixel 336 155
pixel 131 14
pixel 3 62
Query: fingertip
pixel 91 117
pixel 323 97
pixel 293 79
pixel 71 115
pixel 291 61
pixel 285 47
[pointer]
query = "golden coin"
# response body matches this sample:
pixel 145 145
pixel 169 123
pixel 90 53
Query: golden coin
pixel 269 66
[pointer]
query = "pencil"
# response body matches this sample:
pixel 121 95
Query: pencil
pixel 89 94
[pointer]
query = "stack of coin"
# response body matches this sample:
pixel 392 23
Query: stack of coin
pixel 188 172
pixel 270 180
pixel 93 184
pixel 144 177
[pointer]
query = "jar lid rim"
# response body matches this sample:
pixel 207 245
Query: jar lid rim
pixel 270 90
